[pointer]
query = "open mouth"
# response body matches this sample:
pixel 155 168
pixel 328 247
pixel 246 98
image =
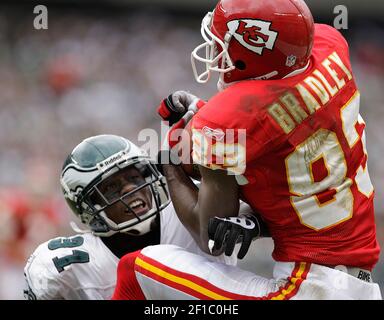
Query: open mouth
pixel 138 206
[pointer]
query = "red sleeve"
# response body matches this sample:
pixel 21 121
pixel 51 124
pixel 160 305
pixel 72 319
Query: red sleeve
pixel 127 287
pixel 216 147
pixel 232 130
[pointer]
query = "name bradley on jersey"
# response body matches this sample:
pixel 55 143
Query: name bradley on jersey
pixel 295 112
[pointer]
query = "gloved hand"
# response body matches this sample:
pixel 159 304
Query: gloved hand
pixel 175 106
pixel 225 233
pixel 168 153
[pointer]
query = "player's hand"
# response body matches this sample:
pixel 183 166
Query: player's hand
pixel 169 151
pixel 176 105
pixel 225 233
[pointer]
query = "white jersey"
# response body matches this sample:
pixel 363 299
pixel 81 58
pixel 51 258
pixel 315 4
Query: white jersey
pixel 81 267
pixel 75 268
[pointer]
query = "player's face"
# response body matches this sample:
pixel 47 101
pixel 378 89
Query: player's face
pixel 120 184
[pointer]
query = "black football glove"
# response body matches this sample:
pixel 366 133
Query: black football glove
pixel 227 232
pixel 175 106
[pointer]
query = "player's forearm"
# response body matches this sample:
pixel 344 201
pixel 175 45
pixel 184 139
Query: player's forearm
pixel 184 195
pixel 217 196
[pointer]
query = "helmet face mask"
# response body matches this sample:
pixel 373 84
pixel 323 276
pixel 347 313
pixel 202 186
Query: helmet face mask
pixel 216 57
pixel 123 192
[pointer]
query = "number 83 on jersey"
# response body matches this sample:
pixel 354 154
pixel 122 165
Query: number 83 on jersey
pixel 317 173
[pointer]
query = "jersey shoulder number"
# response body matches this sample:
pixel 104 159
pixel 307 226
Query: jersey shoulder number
pixel 44 269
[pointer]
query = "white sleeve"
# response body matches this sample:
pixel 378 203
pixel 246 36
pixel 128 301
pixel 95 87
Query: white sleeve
pixel 49 272
pixel 174 232
pixel 42 282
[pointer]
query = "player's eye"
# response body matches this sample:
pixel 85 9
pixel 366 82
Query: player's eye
pixel 112 190
pixel 137 179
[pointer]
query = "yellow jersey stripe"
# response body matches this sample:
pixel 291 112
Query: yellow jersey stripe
pixel 179 280
pixel 292 287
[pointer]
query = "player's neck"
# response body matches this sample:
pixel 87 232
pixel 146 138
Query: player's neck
pixel 122 243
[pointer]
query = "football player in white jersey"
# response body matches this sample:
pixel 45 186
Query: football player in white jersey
pixel 114 189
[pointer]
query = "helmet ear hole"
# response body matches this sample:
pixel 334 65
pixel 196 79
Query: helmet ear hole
pixel 240 65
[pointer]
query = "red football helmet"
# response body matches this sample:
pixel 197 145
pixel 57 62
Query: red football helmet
pixel 254 39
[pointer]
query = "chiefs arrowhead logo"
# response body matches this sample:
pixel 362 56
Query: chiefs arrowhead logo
pixel 255 35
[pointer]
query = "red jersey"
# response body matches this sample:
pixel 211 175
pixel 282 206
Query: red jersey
pixel 297 147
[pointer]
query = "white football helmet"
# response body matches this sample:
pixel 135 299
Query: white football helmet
pixel 102 158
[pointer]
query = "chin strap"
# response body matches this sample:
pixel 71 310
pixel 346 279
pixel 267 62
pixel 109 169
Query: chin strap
pixel 141 228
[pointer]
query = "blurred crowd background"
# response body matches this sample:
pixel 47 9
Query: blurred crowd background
pixel 103 68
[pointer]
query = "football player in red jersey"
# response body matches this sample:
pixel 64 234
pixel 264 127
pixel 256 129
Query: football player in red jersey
pixel 285 135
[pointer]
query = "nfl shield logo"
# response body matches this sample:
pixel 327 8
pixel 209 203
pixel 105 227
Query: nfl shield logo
pixel 291 61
